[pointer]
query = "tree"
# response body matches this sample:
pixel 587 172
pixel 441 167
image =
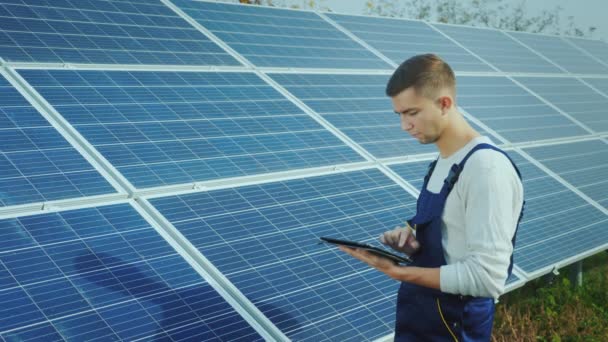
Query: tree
pixel 302 4
pixel 485 13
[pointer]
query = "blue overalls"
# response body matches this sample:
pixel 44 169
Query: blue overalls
pixel 425 314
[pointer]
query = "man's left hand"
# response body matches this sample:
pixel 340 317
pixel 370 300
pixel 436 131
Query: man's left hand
pixel 383 265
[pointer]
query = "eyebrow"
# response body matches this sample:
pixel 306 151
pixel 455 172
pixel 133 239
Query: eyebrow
pixel 407 111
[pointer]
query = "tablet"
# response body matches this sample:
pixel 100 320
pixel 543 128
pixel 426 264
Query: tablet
pixel 400 259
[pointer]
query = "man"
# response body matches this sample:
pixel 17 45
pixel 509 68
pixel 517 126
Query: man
pixel 463 233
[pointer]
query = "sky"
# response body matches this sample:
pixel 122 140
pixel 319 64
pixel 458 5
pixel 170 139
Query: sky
pixel 585 12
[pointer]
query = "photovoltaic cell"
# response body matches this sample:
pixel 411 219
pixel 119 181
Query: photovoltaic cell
pixel 161 128
pixel 511 111
pixel 582 164
pixel 400 39
pixel 412 173
pixel 498 49
pixel 597 48
pixel 561 53
pixel 557 223
pixel 264 238
pixel 37 164
pixel 359 107
pixel 271 37
pixel 102 31
pixel 573 97
pixel 104 273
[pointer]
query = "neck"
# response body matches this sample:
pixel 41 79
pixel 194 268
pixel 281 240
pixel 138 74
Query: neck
pixel 455 136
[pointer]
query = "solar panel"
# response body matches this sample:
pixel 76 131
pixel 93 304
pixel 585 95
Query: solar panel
pixel 271 37
pixel 511 111
pixel 498 49
pixel 400 39
pixel 161 128
pixel 104 273
pixel 264 239
pixel 557 224
pixel 597 48
pixel 103 31
pixel 37 164
pixel 582 164
pixel 572 97
pixel 561 53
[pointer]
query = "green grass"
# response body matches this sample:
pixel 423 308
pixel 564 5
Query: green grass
pixel 540 311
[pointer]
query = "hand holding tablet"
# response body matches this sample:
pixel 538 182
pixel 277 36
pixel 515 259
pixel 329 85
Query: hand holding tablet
pixel 399 259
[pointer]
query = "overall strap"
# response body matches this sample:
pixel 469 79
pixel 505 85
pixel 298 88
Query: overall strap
pixel 429 173
pixel 456 169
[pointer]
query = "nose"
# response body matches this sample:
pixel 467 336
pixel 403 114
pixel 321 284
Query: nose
pixel 405 124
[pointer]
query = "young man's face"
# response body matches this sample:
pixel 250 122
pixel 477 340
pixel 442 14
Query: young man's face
pixel 420 116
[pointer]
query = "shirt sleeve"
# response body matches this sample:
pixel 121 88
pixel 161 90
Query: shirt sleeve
pixel 492 195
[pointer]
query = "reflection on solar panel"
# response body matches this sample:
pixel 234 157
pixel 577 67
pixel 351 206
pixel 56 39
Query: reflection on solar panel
pixel 264 238
pixel 511 111
pixel 596 48
pixel 270 37
pixel 102 31
pixel 36 163
pixel 104 273
pixel 498 49
pixel 582 164
pixel 161 128
pixel 573 97
pixel 561 53
pixel 542 240
pixel 400 39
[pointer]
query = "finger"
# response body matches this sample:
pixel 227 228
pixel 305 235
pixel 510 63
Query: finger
pixel 403 235
pixel 382 239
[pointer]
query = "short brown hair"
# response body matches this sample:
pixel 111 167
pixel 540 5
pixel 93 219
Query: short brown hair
pixel 426 73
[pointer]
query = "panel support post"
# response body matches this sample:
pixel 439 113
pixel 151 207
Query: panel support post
pixel 576 274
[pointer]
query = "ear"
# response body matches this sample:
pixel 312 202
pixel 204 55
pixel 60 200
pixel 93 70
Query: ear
pixel 445 103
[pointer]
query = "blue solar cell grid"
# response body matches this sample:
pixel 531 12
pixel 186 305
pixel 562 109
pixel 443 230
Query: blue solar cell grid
pixel 597 48
pixel 582 164
pixel 162 128
pixel 557 223
pixel 400 39
pixel 264 238
pixel 498 49
pixel 104 273
pixel 573 97
pixel 36 163
pixel 102 31
pixel 561 53
pixel 270 37
pixel 412 173
pixel 511 111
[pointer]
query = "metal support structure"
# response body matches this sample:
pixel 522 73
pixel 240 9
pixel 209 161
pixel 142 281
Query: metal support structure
pixel 576 274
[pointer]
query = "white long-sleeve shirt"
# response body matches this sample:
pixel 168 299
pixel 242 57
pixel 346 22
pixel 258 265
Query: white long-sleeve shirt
pixel 478 221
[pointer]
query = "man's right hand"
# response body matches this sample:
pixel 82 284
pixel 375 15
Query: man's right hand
pixel 401 239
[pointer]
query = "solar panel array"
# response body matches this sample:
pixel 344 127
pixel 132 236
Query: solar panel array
pixel 166 167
